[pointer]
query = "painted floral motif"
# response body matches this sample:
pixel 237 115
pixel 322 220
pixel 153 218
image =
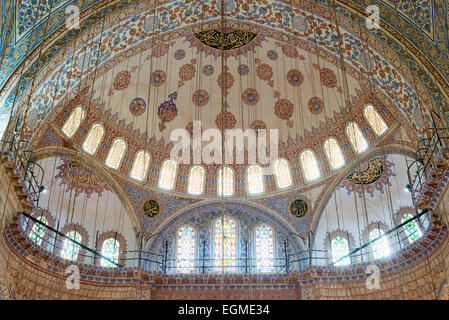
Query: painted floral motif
pixel 158 78
pixel 250 97
pixel 186 73
pixel 328 78
pixel 283 109
pixel 264 72
pixel 272 55
pixel 179 54
pixel 243 69
pixel 258 125
pixel 316 105
pixel 295 77
pixel 80 179
pixel 227 120
pixel 208 70
pixel 122 80
pixel 289 51
pixel 225 81
pixel 167 111
pixel 137 106
pixel 200 98
pixel 160 50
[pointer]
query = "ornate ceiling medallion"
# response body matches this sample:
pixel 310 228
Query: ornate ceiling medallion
pixel 77 177
pixel 299 208
pixel 151 208
pixel 233 41
pixel 373 176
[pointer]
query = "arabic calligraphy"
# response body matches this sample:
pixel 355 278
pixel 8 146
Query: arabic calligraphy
pixel 370 175
pixel 151 208
pixel 225 40
pixel 299 208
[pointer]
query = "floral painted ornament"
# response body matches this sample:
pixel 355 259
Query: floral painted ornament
pixel 283 109
pixel 167 111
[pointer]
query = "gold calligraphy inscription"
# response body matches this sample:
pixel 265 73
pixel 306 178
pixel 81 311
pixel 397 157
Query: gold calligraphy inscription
pixel 371 174
pixel 225 40
pixel 82 176
pixel 299 208
pixel 151 208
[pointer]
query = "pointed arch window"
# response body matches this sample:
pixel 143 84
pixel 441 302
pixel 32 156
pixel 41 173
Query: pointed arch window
pixel 225 251
pixel 340 249
pixel 72 124
pixel 185 259
pixel 356 137
pixel 168 175
pixel 196 180
pixel 282 173
pixel 310 165
pixel 110 250
pixel 380 248
pixel 411 229
pixel 255 181
pixel 70 249
pixel 38 231
pixel 116 154
pixel 375 120
pixel 334 154
pixel 225 182
pixel 264 249
pixel 140 167
pixel 93 139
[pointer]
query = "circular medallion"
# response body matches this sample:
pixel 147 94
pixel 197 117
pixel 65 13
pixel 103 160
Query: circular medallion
pixel 226 120
pixel 272 55
pixel 137 106
pixel 200 98
pixel 316 105
pixel 250 96
pixel 283 109
pixel 179 54
pixel 122 80
pixel 157 78
pixel 258 125
pixel 187 72
pixel 151 208
pixel 243 69
pixel 290 51
pixel 328 78
pixel 299 208
pixel 264 71
pixel 208 70
pixel 295 77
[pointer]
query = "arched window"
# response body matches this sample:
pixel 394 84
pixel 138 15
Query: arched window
pixel 334 154
pixel 196 180
pixel 37 233
pixel 412 229
pixel 168 175
pixel 282 172
pixel 356 137
pixel 140 167
pixel 225 181
pixel 225 245
pixel 110 250
pixel 116 153
pixel 380 248
pixel 93 139
pixel 264 249
pixel 74 121
pixel 186 250
pixel 70 249
pixel 310 165
pixel 340 248
pixel 375 120
pixel 255 181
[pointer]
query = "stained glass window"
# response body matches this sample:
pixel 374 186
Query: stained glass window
pixel 110 250
pixel 225 245
pixel 196 180
pixel 356 137
pixel 70 250
pixel 37 233
pixel 116 153
pixel 93 139
pixel 225 181
pixel 140 167
pixel 375 120
pixel 380 248
pixel 255 181
pixel 186 249
pixel 73 122
pixel 264 249
pixel 168 175
pixel 340 248
pixel 411 229
pixel 310 166
pixel 334 154
pixel 282 173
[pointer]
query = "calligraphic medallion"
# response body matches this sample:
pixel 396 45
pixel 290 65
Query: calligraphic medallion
pixel 299 208
pixel 151 208
pixel 370 175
